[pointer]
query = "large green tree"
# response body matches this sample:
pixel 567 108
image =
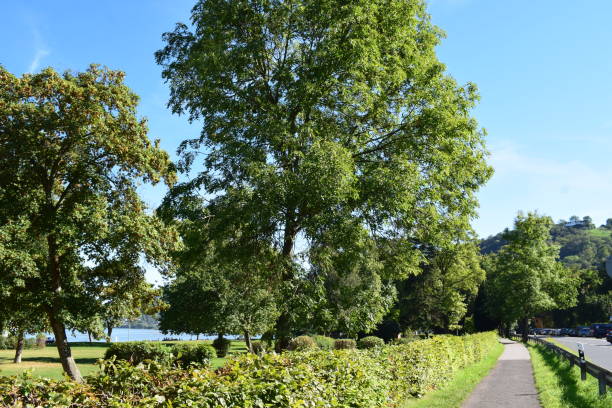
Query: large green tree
pixel 327 125
pixel 525 277
pixel 72 153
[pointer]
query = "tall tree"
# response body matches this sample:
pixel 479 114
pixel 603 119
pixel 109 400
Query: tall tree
pixel 525 277
pixel 325 120
pixel 72 153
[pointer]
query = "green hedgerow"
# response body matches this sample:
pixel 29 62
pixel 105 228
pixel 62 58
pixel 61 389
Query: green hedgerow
pixel 136 352
pixel 380 377
pixel 188 353
pixel 324 342
pixel 302 343
pixel 370 342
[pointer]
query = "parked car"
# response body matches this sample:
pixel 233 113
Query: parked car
pixel 584 332
pixel 600 330
pixel 609 336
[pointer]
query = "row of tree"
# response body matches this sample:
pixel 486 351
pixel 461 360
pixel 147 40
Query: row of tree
pixel 331 187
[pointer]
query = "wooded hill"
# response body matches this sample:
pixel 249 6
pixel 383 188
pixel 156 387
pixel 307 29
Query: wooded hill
pixel 585 248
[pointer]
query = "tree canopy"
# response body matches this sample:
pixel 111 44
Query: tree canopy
pixel 328 129
pixel 72 153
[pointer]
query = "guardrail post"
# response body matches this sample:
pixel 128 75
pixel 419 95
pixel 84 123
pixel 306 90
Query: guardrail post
pixel 602 383
pixel 583 370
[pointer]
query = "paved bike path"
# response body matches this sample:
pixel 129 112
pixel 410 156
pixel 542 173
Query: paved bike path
pixel 509 384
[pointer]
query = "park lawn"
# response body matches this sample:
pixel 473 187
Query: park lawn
pixel 452 394
pixel 45 362
pixel 559 385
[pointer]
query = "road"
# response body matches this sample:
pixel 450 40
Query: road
pixel 597 351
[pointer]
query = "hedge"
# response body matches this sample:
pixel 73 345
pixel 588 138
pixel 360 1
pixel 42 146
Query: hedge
pixel 193 353
pixel 137 352
pixel 345 344
pixel 302 343
pixel 370 342
pixel 379 377
pixel 324 342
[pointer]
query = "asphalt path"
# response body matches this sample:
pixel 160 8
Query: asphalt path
pixel 510 384
pixel 597 351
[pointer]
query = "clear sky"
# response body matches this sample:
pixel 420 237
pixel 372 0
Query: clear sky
pixel 544 70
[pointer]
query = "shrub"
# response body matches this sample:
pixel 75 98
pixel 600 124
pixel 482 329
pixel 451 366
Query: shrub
pixel 302 343
pixel 7 342
pixel 222 346
pixel 370 342
pixel 324 342
pixel 345 344
pixel 260 347
pixel 138 351
pixel 381 377
pixel 188 353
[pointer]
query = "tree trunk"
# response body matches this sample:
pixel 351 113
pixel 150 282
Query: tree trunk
pixel 109 331
pixel 19 348
pixel 247 339
pixel 525 329
pixel 59 330
pixel 283 325
pixel 63 348
pixel 89 335
pixel 197 336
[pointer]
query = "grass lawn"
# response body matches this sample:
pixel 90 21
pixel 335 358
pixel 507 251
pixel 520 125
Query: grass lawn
pixel 460 387
pixel 559 385
pixel 45 362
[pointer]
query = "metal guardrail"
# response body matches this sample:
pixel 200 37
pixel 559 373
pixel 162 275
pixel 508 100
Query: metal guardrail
pixel 603 376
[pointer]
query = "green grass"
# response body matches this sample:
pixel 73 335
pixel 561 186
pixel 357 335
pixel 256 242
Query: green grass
pixel 460 387
pixel 559 385
pixel 599 233
pixel 45 362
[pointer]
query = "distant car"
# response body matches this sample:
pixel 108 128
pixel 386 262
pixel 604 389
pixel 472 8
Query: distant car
pixel 600 330
pixel 584 332
pixel 565 332
pixel 609 336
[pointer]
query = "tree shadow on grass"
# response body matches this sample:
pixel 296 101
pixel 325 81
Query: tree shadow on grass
pixel 80 360
pixel 568 381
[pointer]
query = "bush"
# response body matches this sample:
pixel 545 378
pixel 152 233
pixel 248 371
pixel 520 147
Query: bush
pixel 260 347
pixel 7 342
pixel 370 342
pixel 324 342
pixel 381 377
pixel 345 344
pixel 222 346
pixel 188 353
pixel 302 343
pixel 136 352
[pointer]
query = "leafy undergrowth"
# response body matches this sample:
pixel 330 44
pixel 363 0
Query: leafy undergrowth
pixel 461 386
pixel 559 385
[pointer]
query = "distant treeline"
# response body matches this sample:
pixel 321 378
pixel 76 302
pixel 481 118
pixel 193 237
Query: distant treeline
pixel 142 322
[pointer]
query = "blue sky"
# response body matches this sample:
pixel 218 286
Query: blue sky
pixel 544 70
